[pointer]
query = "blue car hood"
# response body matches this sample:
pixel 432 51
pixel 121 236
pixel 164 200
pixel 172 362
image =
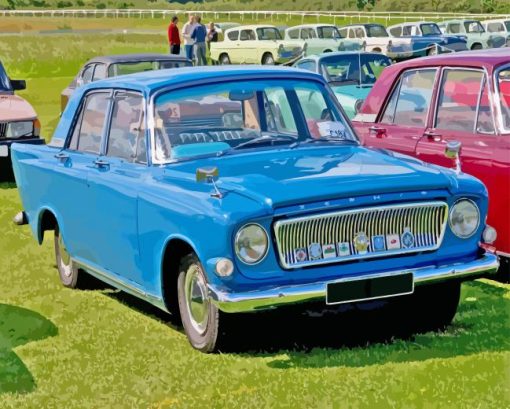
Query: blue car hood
pixel 292 176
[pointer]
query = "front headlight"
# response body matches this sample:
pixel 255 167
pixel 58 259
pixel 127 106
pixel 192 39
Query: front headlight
pixel 19 129
pixel 464 218
pixel 251 243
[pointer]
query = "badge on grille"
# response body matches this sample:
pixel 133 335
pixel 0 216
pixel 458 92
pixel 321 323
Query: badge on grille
pixel 300 255
pixel 315 251
pixel 361 243
pixel 392 241
pixel 328 251
pixel 344 249
pixel 378 243
pixel 407 238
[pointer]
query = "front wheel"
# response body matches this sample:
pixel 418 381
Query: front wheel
pixel 476 47
pixel 200 317
pixel 224 59
pixel 431 307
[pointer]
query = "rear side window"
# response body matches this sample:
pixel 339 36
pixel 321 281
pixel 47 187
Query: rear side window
pixel 495 27
pixel 453 28
pixel 89 129
pixel 126 138
pixel 247 35
pixel 233 35
pixel 458 100
pixel 396 31
pixel 410 101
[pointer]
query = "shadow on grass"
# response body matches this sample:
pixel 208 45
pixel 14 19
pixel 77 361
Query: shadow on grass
pixel 19 326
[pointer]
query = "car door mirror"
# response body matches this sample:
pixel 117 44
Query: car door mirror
pixel 452 149
pixel 357 105
pixel 18 85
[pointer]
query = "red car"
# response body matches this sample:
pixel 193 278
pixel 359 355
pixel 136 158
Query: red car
pixel 416 107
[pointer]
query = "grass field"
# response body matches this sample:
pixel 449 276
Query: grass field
pixel 103 349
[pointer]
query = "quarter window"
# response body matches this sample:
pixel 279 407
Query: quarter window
pixel 100 72
pixel 233 35
pixel 126 139
pixel 86 76
pixel 484 123
pixel 89 128
pixel 458 100
pixel 410 101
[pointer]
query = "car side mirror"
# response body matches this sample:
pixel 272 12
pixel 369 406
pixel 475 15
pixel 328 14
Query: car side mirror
pixel 357 105
pixel 18 85
pixel 452 151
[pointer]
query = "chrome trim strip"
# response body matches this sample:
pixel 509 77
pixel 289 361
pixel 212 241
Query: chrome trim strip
pixel 273 297
pixel 333 231
pixel 503 254
pixel 115 282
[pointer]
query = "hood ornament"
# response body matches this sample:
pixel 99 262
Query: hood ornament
pixel 209 175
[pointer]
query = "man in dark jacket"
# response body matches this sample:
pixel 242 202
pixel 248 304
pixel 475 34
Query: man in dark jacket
pixel 174 40
pixel 212 37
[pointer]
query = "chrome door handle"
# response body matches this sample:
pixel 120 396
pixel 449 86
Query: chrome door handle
pixel 61 156
pixel 433 135
pixel 101 163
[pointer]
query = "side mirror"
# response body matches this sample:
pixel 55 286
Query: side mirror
pixel 357 105
pixel 208 175
pixel 18 85
pixel 452 151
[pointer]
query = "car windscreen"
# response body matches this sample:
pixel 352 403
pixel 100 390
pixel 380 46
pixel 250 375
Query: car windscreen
pixel 5 84
pixel 360 69
pixel 268 33
pixel 503 81
pixel 123 68
pixel 208 119
pixel 328 32
pixel 430 29
pixel 473 27
pixel 375 30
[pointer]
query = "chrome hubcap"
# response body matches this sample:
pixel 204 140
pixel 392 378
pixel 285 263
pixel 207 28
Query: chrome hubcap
pixel 197 301
pixel 65 258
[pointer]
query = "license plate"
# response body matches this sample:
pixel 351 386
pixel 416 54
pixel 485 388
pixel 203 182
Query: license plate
pixel 369 288
pixel 4 151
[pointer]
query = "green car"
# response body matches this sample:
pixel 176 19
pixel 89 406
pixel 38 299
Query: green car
pixel 477 37
pixel 320 38
pixel 351 75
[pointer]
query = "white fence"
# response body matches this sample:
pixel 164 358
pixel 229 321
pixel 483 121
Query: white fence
pixel 351 16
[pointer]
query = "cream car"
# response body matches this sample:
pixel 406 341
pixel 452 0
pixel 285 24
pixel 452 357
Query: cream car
pixel 256 44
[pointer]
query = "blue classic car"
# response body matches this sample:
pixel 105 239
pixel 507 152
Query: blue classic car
pixel 437 41
pixel 350 74
pixel 209 191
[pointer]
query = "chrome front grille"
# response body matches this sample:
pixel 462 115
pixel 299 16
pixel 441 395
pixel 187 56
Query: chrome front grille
pixel 360 233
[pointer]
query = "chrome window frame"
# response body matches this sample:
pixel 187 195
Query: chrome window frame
pixel 496 100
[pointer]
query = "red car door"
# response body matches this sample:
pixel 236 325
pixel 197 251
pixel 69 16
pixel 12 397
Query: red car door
pixel 403 120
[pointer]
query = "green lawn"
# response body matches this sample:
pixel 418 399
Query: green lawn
pixel 62 348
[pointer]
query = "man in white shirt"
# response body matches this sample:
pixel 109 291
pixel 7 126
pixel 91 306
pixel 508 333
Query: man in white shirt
pixel 187 29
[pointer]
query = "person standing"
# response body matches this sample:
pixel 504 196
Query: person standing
pixel 187 29
pixel 212 37
pixel 174 39
pixel 199 35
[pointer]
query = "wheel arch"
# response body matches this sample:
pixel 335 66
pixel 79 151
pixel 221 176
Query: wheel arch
pixel 47 220
pixel 477 44
pixel 174 249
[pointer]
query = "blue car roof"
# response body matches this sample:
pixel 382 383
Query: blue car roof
pixel 150 81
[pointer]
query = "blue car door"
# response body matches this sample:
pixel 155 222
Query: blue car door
pixel 114 181
pixel 71 194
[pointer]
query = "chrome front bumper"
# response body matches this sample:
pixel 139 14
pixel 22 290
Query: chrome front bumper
pixel 291 294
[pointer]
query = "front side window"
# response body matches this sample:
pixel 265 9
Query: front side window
pixel 454 28
pixel 307 33
pixel 503 81
pixel 126 136
pixel 407 31
pixel 99 72
pixel 293 34
pixel 458 100
pixel 376 30
pixel 89 129
pixel 222 117
pixel 268 33
pixel 410 101
pixel 328 32
pixel 430 29
pixel 473 27
pixel 247 35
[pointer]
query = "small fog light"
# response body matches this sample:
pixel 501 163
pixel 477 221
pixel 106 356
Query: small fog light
pixel 489 234
pixel 224 267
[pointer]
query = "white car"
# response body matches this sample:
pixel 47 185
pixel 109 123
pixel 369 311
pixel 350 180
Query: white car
pixel 500 26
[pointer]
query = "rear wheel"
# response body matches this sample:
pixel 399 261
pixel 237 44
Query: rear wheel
pixel 268 59
pixel 200 317
pixel 70 275
pixel 224 59
pixel 476 46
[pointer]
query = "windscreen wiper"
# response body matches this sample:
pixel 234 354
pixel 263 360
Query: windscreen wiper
pixel 261 140
pixel 322 140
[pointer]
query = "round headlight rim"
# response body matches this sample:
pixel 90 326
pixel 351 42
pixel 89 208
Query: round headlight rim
pixel 237 236
pixel 464 199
